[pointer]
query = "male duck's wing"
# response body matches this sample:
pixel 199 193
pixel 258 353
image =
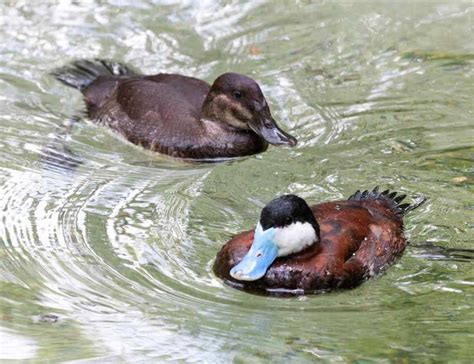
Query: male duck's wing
pixel 382 246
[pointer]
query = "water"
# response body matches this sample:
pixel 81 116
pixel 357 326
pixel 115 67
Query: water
pixel 117 245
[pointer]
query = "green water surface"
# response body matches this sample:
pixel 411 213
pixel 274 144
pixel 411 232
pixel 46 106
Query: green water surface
pixel 120 248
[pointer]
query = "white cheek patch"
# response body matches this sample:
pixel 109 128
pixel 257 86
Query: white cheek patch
pixel 294 238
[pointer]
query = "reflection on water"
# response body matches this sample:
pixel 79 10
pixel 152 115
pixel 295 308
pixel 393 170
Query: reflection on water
pixel 57 154
pixel 439 252
pixel 107 251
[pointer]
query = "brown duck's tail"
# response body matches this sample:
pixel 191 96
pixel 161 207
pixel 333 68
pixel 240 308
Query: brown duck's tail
pixel 82 73
pixel 391 197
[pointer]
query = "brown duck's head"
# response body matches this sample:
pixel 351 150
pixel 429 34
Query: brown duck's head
pixel 236 100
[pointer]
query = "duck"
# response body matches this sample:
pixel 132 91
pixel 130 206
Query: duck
pixel 298 249
pixel 177 115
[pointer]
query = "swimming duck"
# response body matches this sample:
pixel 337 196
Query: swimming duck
pixel 299 249
pixel 177 115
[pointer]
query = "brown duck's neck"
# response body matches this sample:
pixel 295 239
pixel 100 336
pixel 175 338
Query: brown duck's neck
pixel 210 110
pixel 221 141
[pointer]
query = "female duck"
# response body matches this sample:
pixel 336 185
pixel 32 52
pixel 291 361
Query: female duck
pixel 178 115
pixel 331 245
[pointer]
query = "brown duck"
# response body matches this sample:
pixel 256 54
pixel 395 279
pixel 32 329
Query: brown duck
pixel 177 115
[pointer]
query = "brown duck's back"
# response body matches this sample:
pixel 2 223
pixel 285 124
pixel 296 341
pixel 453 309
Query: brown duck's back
pixel 187 92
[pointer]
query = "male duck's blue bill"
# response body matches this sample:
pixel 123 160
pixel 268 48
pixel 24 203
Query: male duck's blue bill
pixel 258 259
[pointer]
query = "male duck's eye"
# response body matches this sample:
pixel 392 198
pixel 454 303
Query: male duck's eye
pixel 237 94
pixel 288 221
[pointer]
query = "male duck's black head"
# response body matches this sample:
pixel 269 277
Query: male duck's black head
pixel 237 101
pixel 287 226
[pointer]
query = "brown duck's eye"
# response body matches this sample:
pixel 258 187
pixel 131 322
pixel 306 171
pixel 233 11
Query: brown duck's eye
pixel 237 94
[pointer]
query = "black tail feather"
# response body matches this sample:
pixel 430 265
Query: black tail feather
pixel 390 197
pixel 400 198
pixel 82 73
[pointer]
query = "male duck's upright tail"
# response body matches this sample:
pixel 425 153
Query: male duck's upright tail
pixel 393 200
pixel 82 73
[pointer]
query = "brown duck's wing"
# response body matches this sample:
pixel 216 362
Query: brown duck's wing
pixel 151 114
pixel 184 91
pixel 100 90
pixel 191 89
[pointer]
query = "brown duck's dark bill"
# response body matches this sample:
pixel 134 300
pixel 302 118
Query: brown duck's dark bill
pixel 268 129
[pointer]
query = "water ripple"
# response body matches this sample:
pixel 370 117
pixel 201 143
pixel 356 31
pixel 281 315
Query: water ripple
pixel 118 244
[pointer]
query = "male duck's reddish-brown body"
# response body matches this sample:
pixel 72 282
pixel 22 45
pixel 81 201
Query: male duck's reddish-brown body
pixel 357 239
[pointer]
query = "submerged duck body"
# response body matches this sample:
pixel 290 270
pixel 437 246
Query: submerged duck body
pixel 177 115
pixel 299 249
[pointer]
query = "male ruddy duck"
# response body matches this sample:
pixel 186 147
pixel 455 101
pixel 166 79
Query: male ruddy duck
pixel 177 115
pixel 332 245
